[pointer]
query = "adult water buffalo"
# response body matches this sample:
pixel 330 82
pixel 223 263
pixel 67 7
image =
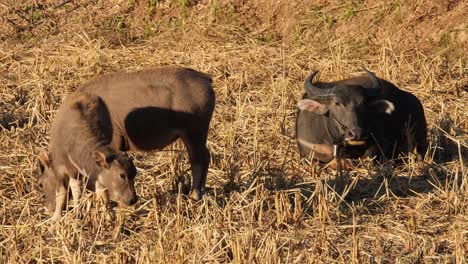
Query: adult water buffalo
pixel 147 110
pixel 367 115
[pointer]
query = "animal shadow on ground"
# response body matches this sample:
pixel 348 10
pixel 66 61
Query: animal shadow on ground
pixel 13 112
pixel 392 178
pixel 387 181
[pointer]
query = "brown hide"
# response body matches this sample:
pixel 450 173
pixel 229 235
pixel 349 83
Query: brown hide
pixel 152 108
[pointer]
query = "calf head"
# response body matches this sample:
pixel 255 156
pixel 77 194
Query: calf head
pixel 117 176
pixel 47 179
pixel 347 107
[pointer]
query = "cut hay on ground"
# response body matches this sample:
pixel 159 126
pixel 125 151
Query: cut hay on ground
pixel 264 204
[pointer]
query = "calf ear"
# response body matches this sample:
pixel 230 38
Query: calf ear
pixel 101 159
pixel 45 159
pixel 312 106
pixel 383 106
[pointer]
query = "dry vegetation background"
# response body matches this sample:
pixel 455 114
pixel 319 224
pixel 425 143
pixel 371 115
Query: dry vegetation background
pixel 264 204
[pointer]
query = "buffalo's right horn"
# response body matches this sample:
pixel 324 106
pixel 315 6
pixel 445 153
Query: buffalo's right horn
pixel 315 91
pixel 375 89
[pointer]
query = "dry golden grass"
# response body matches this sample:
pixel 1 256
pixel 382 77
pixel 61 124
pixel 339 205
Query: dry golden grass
pixel 264 204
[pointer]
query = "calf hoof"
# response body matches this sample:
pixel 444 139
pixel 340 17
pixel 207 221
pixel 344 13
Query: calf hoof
pixel 196 195
pixel 56 218
pixel 109 215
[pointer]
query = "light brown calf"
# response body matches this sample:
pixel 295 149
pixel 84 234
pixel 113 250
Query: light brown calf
pixel 79 147
pixel 149 110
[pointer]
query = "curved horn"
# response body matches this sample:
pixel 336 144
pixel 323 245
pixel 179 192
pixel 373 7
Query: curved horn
pixel 375 89
pixel 315 91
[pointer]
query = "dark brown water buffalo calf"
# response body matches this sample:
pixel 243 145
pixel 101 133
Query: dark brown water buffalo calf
pixel 150 109
pixel 368 116
pixel 80 138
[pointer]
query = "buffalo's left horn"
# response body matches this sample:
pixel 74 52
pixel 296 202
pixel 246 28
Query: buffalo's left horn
pixel 314 91
pixel 375 89
pixel 309 87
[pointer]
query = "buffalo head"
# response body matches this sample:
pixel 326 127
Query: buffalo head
pixel 346 106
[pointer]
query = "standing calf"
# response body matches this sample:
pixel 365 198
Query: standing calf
pixel 367 115
pixel 79 146
pixel 149 110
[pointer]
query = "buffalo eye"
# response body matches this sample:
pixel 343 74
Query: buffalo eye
pixel 122 175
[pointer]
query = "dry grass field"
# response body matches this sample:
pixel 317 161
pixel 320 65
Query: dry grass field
pixel 264 204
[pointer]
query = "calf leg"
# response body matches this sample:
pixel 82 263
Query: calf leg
pixel 199 157
pixel 205 174
pixel 60 198
pixel 75 186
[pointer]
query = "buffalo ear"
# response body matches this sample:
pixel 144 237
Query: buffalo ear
pixel 45 159
pixel 312 106
pixel 383 106
pixel 101 159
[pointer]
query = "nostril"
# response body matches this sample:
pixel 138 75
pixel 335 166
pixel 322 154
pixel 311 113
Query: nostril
pixel 133 200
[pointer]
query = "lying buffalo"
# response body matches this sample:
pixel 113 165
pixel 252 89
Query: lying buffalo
pixel 367 116
pixel 141 111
